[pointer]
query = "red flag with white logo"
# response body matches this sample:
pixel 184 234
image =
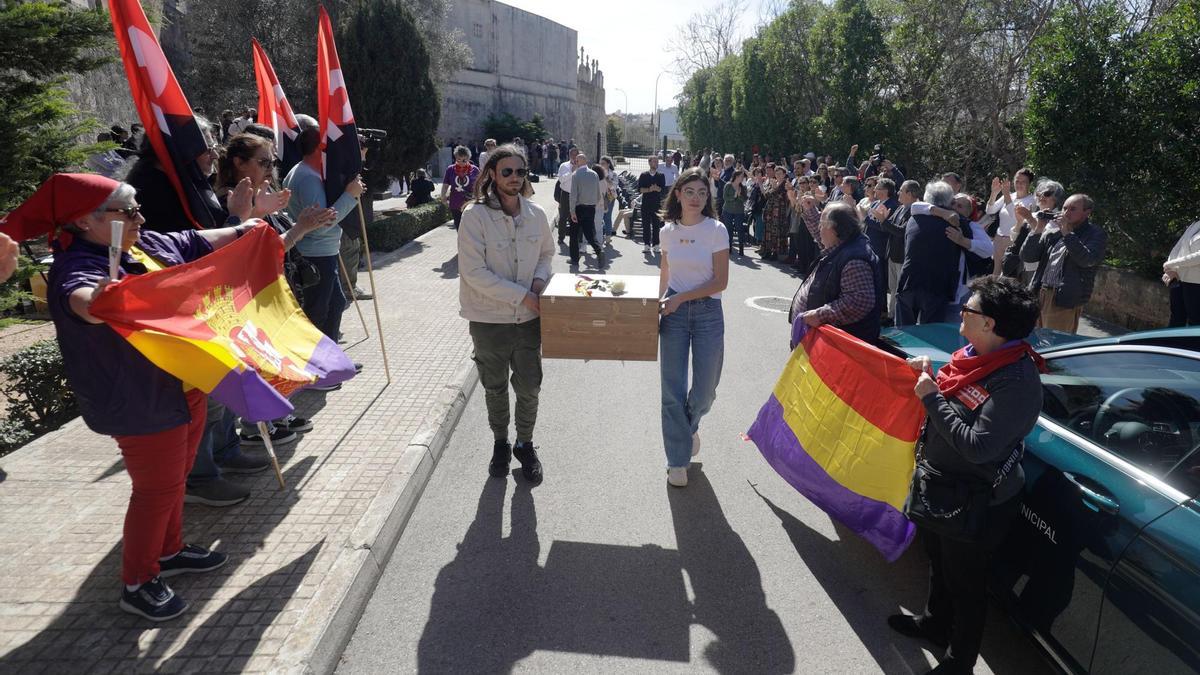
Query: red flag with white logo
pixel 275 112
pixel 168 120
pixel 339 134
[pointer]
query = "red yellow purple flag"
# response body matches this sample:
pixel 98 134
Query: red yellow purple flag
pixel 841 427
pixel 229 325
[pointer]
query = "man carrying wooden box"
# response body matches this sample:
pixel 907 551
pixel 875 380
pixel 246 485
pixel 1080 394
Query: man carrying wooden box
pixel 505 247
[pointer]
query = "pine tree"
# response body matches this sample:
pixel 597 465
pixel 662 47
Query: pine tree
pixel 44 43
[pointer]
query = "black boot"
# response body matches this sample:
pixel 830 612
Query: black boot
pixel 501 454
pixel 910 626
pixel 530 466
pixel 599 257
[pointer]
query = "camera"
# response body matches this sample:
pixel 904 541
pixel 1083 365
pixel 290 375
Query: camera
pixel 373 141
pixel 1048 214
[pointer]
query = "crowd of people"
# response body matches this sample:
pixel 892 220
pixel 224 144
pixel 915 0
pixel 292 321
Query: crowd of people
pixel 179 445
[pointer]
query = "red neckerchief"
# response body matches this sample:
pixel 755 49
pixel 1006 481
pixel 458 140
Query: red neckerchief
pixel 965 369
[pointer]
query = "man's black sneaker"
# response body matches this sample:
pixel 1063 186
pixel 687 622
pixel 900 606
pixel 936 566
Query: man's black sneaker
pixel 191 559
pixel 531 467
pixel 153 600
pixel 599 258
pixel 357 367
pixel 245 462
pixel 908 626
pixel 501 455
pixel 299 425
pixel 254 439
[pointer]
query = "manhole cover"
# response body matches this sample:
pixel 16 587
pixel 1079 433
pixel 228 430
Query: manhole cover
pixel 770 303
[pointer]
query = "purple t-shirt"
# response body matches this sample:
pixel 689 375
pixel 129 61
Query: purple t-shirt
pixel 460 193
pixel 119 391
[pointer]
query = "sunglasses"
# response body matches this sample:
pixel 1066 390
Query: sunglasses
pixel 506 172
pixel 1046 193
pixel 130 212
pixel 963 309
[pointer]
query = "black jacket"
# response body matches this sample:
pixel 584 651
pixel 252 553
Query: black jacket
pixel 1086 247
pixel 973 444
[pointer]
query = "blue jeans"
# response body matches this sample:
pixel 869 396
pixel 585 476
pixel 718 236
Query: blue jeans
pixel 324 302
pixel 608 214
pixel 698 325
pixel 759 227
pixel 219 444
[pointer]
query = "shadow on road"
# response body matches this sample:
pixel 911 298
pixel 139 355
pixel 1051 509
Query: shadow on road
pixel 729 599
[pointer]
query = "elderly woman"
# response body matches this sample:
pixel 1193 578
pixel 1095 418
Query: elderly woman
pixel 775 214
pixel 1049 196
pixel 967 486
pixel 156 422
pixel 845 288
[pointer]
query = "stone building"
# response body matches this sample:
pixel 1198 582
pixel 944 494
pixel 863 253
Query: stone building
pixel 524 64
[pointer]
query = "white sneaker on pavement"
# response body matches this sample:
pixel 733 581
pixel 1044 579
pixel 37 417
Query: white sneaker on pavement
pixel 695 444
pixel 677 476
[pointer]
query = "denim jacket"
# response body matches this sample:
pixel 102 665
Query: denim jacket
pixel 497 261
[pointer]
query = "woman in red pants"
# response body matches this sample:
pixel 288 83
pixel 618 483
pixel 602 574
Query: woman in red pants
pixel 156 420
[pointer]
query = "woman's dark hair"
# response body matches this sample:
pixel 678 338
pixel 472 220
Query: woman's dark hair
pixel 1028 173
pixel 844 219
pixel 1013 307
pixel 606 158
pixel 740 188
pixel 485 186
pixel 599 169
pixel 242 146
pixel 673 210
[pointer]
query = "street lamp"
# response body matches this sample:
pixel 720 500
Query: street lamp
pixel 656 114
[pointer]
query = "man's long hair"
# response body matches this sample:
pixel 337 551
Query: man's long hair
pixel 485 188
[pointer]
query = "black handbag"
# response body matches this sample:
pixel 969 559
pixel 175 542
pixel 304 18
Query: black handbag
pixel 955 507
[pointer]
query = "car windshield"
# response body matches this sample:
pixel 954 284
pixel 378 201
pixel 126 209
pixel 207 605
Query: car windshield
pixel 1142 406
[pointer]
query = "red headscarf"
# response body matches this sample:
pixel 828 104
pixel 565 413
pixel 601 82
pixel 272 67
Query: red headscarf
pixel 62 199
pixel 965 369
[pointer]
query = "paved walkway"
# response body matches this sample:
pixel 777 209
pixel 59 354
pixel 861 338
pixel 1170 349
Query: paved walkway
pixel 295 556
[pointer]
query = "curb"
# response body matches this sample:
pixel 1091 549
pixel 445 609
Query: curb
pixel 324 628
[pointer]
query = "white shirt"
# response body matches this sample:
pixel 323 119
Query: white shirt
pixel 483 159
pixel 565 171
pixel 671 173
pixel 1008 213
pixel 689 250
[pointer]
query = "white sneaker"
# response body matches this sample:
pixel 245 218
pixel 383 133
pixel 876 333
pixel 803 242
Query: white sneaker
pixel 695 444
pixel 656 249
pixel 677 476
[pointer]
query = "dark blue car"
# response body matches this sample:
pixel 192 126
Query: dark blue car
pixel 1103 567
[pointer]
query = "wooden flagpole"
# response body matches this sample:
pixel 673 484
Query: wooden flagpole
pixel 353 295
pixel 362 221
pixel 266 436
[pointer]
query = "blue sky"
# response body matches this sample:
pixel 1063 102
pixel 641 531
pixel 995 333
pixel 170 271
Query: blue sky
pixel 627 37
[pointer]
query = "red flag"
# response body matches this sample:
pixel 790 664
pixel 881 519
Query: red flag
pixel 274 110
pixel 339 134
pixel 168 120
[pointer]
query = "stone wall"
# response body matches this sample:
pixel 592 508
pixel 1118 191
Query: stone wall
pixel 589 106
pixel 1129 300
pixel 524 64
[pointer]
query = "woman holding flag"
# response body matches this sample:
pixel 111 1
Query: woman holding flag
pixel 156 421
pixel 967 484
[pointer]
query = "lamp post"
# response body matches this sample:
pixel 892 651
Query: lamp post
pixel 624 119
pixel 656 116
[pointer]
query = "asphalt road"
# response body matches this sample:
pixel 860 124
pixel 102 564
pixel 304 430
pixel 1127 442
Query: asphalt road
pixel 605 568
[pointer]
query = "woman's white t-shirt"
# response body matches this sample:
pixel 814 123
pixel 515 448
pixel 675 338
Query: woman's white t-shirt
pixel 689 250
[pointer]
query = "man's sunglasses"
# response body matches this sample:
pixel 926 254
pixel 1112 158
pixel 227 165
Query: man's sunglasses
pixel 970 310
pixel 506 172
pixel 130 212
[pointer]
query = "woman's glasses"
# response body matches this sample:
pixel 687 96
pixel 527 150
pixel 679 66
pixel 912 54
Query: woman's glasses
pixel 508 171
pixel 695 194
pixel 130 212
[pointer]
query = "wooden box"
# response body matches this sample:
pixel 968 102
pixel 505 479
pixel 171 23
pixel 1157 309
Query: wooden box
pixel 604 325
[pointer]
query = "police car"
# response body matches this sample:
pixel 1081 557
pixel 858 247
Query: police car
pixel 1103 566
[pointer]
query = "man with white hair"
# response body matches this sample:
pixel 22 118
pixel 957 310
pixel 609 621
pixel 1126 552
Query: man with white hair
pixel 929 274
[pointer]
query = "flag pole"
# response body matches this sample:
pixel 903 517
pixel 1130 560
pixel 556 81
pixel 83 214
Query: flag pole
pixel 353 295
pixel 362 222
pixel 265 432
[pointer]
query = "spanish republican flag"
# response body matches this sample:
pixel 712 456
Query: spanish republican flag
pixel 228 325
pixel 841 427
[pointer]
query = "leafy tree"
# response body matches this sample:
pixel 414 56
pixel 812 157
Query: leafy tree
pixel 44 43
pixel 505 126
pixel 386 65
pixel 614 131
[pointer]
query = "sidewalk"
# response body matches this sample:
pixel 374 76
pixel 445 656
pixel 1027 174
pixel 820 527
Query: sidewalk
pixel 301 561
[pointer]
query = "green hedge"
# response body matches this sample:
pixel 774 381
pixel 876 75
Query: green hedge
pixel 39 399
pixel 392 232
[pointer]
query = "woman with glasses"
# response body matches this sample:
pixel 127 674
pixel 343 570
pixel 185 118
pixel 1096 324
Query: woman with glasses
pixel 1049 197
pixel 694 272
pixel 156 421
pixel 967 486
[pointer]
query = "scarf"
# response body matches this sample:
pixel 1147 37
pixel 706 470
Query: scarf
pixel 966 367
